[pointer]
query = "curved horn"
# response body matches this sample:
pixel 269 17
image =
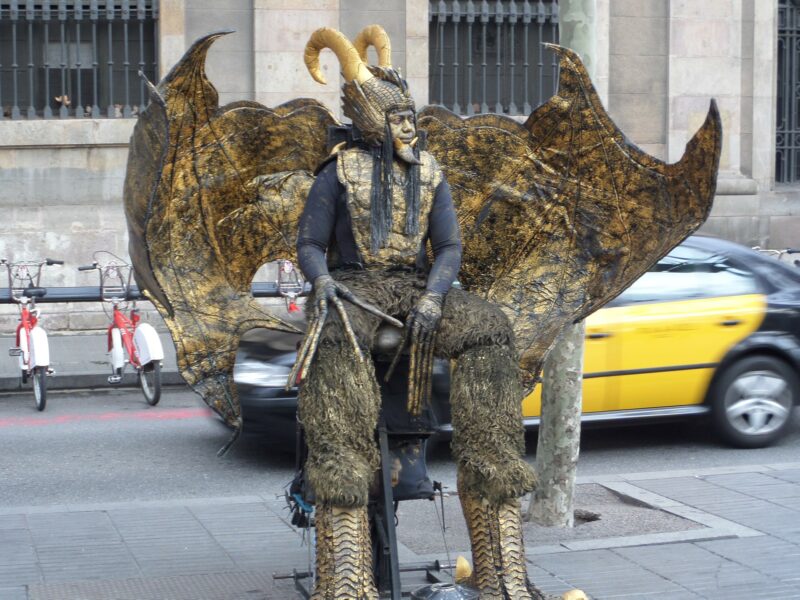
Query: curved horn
pixel 353 68
pixel 375 36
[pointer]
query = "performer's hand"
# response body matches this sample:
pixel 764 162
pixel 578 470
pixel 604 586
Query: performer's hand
pixel 329 291
pixel 421 326
pixel 424 318
pixel 324 292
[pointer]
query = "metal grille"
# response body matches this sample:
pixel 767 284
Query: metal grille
pixel 488 56
pixel 787 141
pixel 66 60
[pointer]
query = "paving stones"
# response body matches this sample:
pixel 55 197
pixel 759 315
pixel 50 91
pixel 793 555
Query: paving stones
pixel 744 543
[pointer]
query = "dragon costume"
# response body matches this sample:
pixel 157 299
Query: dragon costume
pixel 543 222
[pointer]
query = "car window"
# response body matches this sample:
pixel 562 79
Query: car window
pixel 687 273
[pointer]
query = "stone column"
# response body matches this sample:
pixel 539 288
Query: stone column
pixel 712 49
pixel 602 60
pixel 705 41
pixel 417 50
pixel 638 72
pixel 281 29
pixel 171 34
pixel 764 92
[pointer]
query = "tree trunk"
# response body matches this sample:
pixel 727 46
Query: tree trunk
pixel 560 427
pixel 559 431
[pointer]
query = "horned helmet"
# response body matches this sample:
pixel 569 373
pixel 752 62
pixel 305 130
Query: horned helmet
pixel 370 93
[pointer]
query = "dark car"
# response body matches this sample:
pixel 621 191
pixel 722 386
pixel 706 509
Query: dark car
pixel 713 329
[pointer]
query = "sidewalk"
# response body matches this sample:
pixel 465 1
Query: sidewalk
pixel 744 544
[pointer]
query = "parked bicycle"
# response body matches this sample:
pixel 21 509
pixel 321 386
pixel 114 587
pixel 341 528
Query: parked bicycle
pixel 32 347
pixel 130 342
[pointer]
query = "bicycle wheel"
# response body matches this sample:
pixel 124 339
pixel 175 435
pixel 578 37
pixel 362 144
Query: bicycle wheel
pixel 40 387
pixel 150 382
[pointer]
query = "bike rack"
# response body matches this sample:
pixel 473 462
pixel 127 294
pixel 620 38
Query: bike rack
pixel 90 293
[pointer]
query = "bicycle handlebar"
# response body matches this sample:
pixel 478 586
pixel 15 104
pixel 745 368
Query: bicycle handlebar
pixel 115 278
pixel 53 261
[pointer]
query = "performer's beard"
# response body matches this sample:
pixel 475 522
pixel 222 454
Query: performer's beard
pixel 405 151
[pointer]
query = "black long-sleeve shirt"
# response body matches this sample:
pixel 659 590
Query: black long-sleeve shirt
pixel 326 216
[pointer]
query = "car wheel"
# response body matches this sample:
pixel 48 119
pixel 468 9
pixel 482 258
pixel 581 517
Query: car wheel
pixel 752 401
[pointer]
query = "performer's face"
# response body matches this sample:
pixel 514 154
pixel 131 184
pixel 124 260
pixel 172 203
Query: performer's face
pixel 402 125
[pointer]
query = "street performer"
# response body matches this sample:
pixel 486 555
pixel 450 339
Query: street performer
pixel 370 217
pixel 546 221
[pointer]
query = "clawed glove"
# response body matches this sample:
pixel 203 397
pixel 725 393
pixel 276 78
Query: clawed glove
pixel 421 326
pixel 327 290
pixel 427 314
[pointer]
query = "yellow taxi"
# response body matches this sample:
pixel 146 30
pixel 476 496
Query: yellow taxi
pixel 712 329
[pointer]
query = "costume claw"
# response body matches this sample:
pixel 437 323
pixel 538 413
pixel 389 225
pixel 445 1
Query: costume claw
pixel 420 373
pixel 348 328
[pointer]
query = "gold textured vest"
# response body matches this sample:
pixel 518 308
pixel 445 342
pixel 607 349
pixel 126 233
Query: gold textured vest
pixel 354 170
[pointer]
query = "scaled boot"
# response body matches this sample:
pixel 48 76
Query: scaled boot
pixel 498 553
pixel 344 555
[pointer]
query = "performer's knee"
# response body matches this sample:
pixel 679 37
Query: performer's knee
pixel 342 478
pixel 488 435
pixel 469 322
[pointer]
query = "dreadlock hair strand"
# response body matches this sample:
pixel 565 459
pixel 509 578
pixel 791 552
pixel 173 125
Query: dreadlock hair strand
pixel 380 196
pixel 412 198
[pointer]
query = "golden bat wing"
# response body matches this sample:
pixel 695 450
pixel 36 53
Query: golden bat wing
pixel 210 195
pixel 561 214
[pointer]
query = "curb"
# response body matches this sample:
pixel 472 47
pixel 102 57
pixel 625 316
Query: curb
pixel 76 381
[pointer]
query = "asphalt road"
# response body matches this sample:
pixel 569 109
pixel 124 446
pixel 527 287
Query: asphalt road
pixel 109 446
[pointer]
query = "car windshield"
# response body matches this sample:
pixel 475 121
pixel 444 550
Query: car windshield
pixel 688 273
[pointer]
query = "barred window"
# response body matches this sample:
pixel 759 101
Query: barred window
pixel 787 139
pixel 489 56
pixel 62 59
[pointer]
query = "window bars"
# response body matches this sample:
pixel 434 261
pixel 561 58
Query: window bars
pixel 61 59
pixel 488 56
pixel 787 139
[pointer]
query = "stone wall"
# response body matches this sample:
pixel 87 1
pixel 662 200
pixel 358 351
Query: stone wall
pixel 667 59
pixel 61 185
pixel 230 63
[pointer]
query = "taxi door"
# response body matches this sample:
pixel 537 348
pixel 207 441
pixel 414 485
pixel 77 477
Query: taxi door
pixel 674 325
pixel 668 351
pixel 596 360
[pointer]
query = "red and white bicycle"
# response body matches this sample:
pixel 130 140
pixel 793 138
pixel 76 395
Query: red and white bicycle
pixel 130 342
pixel 32 347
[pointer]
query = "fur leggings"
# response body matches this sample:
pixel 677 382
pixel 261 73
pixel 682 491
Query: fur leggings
pixel 340 399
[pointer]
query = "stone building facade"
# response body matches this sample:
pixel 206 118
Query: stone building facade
pixel 658 64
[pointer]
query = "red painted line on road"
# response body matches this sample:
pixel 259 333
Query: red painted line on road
pixel 141 415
